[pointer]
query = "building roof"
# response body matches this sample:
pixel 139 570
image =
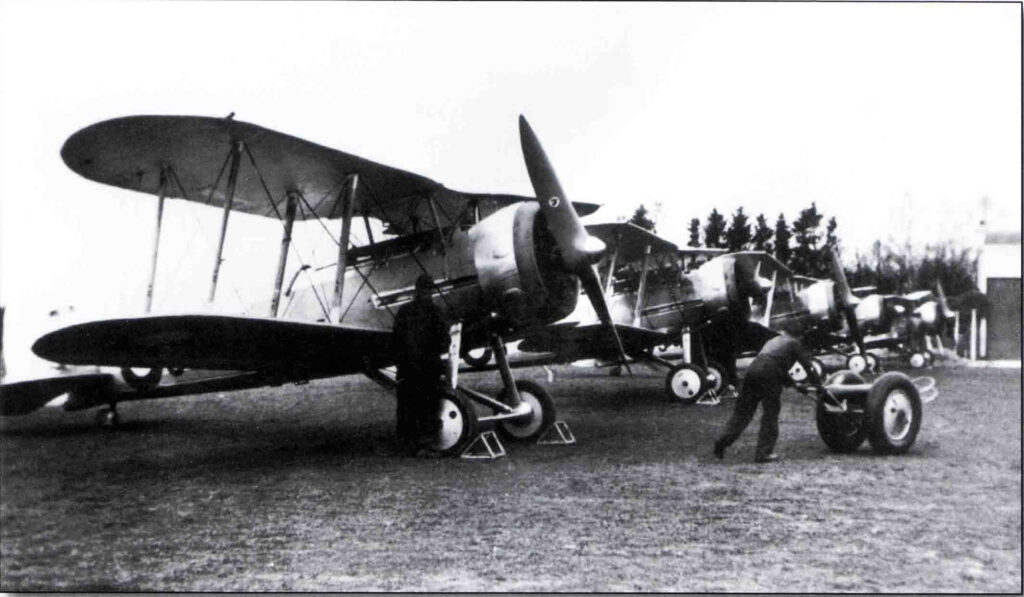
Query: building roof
pixel 1003 237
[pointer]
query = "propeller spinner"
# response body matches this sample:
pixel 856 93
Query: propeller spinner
pixel 579 250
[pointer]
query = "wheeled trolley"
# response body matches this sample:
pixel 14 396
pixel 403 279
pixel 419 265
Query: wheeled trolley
pixel 886 412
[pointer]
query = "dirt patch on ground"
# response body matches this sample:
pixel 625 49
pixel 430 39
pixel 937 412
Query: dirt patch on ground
pixel 296 489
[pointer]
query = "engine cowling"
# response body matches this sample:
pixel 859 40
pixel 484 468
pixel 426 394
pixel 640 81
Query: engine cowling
pixel 820 300
pixel 727 283
pixel 518 268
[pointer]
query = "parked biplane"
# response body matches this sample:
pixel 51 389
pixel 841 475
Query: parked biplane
pixel 725 308
pixel 502 265
pixel 907 323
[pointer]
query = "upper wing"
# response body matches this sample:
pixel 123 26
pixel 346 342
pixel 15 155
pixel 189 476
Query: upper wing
pixel 630 240
pixel 573 342
pixel 292 349
pixel 131 152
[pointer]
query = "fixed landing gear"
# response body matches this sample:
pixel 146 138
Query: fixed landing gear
pixel 522 412
pixel 142 381
pixel 456 425
pixel 107 417
pixel 686 383
pixel 862 363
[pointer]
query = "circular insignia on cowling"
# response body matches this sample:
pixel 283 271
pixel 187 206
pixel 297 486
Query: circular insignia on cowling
pixel 554 201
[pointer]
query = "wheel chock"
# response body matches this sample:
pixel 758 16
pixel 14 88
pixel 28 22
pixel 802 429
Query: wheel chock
pixel 557 435
pixel 486 446
pixel 926 388
pixel 710 398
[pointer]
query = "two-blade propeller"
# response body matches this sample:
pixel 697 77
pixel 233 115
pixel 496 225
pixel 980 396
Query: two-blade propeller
pixel 847 301
pixel 579 250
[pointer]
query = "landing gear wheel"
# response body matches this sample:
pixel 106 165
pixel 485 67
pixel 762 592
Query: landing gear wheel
pixel 841 432
pixel 857 363
pixel 918 360
pixel 818 366
pixel 797 373
pixel 477 358
pixel 142 382
pixel 107 417
pixel 686 383
pixel 929 357
pixel 457 424
pixel 872 362
pixel 716 377
pixel 893 414
pixel 543 417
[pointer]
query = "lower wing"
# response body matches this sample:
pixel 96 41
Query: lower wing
pixel 289 349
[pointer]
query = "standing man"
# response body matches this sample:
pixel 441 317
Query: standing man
pixel 763 383
pixel 420 337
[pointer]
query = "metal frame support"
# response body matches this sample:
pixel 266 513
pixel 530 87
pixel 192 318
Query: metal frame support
pixel 161 194
pixel 282 260
pixel 501 359
pixel 642 291
pixel 684 342
pixel 348 200
pixel 236 154
pixel 369 231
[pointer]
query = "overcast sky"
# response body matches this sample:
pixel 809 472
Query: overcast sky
pixel 895 118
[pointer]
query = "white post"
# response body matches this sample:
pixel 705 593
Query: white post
pixel 686 346
pixel 974 334
pixel 983 338
pixel 956 331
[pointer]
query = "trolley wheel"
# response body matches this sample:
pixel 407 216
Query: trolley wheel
pixel 477 358
pixel 918 360
pixel 543 417
pixel 686 383
pixel 841 432
pixel 819 367
pixel 716 377
pixel 142 382
pixel 893 414
pixel 457 424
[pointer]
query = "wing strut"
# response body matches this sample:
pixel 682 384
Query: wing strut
pixel 611 266
pixel 348 200
pixel 641 293
pixel 236 154
pixel 282 260
pixel 156 236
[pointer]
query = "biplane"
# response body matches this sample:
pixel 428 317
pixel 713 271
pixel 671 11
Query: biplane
pixel 908 324
pixel 725 308
pixel 501 265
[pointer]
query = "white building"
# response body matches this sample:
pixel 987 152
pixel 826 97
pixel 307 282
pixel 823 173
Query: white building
pixel 999 273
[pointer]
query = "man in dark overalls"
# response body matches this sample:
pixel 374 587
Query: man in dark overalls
pixel 763 383
pixel 420 337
